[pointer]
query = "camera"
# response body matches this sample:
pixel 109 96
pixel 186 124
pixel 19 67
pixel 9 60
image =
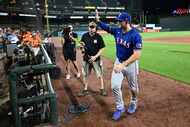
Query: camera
pixel 67 31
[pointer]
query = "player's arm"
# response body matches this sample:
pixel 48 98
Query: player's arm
pixel 107 28
pixel 135 56
pixel 104 26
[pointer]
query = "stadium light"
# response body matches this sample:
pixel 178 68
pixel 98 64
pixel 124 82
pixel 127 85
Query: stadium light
pixel 103 8
pixel 27 15
pixel 90 7
pixel 110 17
pixel 50 16
pixel 3 14
pixel 120 8
pixel 116 8
pixel 76 17
pixel 91 17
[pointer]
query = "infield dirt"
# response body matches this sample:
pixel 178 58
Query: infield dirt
pixel 162 102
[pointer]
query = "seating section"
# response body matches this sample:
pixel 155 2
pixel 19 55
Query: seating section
pixel 68 3
pixel 109 3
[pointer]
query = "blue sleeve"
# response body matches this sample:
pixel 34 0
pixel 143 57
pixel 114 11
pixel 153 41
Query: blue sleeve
pixel 107 28
pixel 137 41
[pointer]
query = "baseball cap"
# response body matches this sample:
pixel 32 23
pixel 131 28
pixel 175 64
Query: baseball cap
pixel 124 16
pixel 70 26
pixel 92 24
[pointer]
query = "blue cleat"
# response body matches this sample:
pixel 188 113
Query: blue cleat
pixel 117 114
pixel 132 107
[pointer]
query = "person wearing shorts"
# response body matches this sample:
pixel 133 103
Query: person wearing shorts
pixel 92 46
pixel 69 51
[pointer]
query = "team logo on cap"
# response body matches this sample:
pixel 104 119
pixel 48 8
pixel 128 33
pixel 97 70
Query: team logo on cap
pixel 95 41
pixel 139 45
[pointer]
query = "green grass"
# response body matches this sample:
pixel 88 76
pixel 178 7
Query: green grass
pixel 165 34
pixel 166 59
pixel 170 60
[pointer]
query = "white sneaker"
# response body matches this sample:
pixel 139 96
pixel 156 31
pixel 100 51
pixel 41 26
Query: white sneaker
pixel 68 76
pixel 78 75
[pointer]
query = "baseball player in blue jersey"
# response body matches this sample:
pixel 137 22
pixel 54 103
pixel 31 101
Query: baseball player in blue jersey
pixel 128 51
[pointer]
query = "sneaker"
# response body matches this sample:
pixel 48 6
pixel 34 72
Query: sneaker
pixel 103 92
pixel 117 114
pixel 78 75
pixel 132 107
pixel 83 93
pixel 68 76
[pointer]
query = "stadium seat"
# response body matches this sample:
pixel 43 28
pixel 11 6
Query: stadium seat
pixel 109 3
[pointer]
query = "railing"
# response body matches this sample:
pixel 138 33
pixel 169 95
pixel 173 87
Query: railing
pixel 50 95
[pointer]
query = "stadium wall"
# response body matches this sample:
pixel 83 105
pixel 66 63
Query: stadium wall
pixel 177 23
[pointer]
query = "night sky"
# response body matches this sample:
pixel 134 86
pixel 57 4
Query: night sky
pixel 161 4
pixel 165 4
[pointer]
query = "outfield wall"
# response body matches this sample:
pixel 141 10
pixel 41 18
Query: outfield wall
pixel 176 23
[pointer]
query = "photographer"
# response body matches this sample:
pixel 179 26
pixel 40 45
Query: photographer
pixel 92 46
pixel 69 50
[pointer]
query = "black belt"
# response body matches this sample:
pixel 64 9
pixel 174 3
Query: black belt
pixel 121 61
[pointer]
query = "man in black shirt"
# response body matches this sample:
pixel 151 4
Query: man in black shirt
pixel 92 45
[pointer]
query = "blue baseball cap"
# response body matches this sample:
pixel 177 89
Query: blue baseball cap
pixel 124 16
